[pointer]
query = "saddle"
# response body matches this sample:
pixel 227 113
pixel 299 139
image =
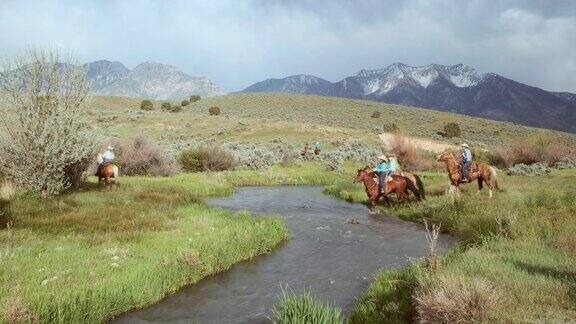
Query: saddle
pixel 473 168
pixel 377 180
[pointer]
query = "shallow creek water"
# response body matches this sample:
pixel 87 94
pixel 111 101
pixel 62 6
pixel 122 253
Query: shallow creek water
pixel 334 260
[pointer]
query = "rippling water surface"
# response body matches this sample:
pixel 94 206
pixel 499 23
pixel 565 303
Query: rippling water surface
pixel 334 260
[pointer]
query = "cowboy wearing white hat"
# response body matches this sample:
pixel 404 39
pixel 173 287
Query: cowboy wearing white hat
pixel 466 161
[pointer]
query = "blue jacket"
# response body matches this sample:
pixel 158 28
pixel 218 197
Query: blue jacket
pixel 392 166
pixel 467 155
pixel 382 167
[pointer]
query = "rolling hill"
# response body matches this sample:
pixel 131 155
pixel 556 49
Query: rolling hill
pixel 458 88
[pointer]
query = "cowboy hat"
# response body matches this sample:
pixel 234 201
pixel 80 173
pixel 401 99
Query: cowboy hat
pixel 465 145
pixel 110 148
pixel 382 157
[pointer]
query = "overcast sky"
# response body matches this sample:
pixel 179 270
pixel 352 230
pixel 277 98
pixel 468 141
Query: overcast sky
pixel 237 43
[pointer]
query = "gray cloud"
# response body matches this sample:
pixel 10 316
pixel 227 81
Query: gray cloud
pixel 239 42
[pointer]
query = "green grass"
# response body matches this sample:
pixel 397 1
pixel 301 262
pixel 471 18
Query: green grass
pixel 304 309
pixel 91 254
pixel 295 118
pixel 521 244
pixel 88 255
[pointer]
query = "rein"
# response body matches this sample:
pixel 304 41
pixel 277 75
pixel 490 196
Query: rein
pixel 368 182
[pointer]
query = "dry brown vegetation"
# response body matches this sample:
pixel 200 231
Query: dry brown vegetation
pixel 141 156
pixel 453 300
pixel 409 156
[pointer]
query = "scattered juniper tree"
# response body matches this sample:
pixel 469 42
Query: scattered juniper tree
pixel 47 142
pixel 194 98
pixel 166 106
pixel 184 103
pixel 146 105
pixel 213 111
pixel 451 129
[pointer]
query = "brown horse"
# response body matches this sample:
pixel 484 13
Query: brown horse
pixel 417 181
pixel 398 184
pixel 108 172
pixel 478 171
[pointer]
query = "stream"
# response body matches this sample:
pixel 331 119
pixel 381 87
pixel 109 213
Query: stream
pixel 332 259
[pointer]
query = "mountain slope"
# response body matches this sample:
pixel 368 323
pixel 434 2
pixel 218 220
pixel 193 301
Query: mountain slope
pixel 456 88
pixel 147 80
pixel 103 73
pixel 301 84
pixel 159 81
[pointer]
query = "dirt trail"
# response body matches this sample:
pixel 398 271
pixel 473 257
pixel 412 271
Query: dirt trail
pixel 421 143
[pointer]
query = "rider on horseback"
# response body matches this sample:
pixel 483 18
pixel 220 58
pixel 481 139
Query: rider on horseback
pixel 106 158
pixel 385 168
pixel 466 162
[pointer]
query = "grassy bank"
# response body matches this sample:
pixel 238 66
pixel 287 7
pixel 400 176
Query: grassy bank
pixel 515 262
pixel 88 255
pixel 94 253
pixel 91 254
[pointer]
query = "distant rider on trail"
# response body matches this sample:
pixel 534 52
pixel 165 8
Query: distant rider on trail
pixel 106 158
pixel 383 169
pixel 466 162
pixel 317 148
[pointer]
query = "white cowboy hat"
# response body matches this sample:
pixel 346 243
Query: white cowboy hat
pixel 464 145
pixel 110 148
pixel 382 157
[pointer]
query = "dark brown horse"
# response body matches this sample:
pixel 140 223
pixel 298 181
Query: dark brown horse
pixel 398 184
pixel 484 173
pixel 106 173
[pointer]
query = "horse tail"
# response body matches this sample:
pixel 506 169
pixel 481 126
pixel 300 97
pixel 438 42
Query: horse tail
pixel 493 177
pixel 116 172
pixel 420 186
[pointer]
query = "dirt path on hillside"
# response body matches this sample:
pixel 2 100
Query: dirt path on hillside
pixel 421 143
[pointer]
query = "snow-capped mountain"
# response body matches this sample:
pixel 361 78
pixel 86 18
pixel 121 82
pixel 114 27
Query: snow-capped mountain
pixel 303 84
pixel 457 88
pixel 147 80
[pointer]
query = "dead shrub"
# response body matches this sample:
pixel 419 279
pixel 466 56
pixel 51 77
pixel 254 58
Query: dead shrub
pixel 456 300
pixel 539 148
pixel 409 157
pixel 216 158
pixel 525 154
pixel 140 156
pixel 432 239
